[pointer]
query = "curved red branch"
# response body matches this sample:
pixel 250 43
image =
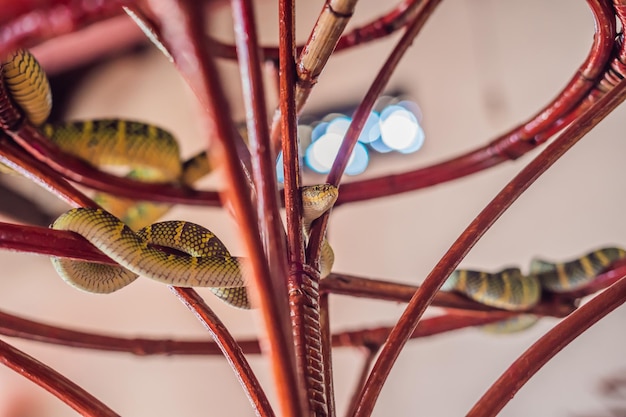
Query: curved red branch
pixel 41 174
pixel 83 173
pixel 527 365
pixel 423 297
pixel 512 144
pixel 53 382
pixel 229 347
pixel 32 23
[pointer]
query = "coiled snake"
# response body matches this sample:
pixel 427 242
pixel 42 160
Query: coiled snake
pixel 154 156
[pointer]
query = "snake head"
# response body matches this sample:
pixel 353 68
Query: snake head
pixel 317 199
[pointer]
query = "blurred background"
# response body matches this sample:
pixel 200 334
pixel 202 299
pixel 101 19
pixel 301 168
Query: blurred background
pixel 478 68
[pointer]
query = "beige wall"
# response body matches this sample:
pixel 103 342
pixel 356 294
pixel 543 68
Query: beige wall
pixel 479 67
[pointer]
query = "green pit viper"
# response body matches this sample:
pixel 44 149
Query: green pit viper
pixel 153 155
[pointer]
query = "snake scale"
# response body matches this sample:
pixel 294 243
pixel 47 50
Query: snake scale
pixel 509 289
pixel 153 155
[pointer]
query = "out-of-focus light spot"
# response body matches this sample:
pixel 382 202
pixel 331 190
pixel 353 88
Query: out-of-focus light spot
pixel 359 160
pixel 398 127
pixel 304 134
pixel 280 172
pixel 413 108
pixel 418 141
pixel 321 155
pixel 394 124
pixel 339 125
pixel 332 116
pixel 379 146
pixel 371 129
pixel 318 131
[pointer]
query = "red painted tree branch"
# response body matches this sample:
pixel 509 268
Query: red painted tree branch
pixel 531 361
pixel 52 381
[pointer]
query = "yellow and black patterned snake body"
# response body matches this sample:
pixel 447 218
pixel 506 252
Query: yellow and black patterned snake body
pixel 575 274
pixel 507 289
pixel 511 290
pixel 28 85
pixel 152 155
pixel 151 152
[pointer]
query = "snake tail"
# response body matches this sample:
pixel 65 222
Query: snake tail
pixel 28 85
pixel 572 275
pixel 507 289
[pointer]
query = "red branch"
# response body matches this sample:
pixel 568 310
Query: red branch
pixel 423 297
pixel 35 22
pixel 14 326
pixel 229 347
pixel 182 27
pixel 362 113
pixel 512 144
pixel 531 361
pixel 53 382
pixel 83 173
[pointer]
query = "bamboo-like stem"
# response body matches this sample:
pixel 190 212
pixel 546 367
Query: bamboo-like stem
pixel 229 347
pixel 53 382
pixel 503 200
pixel 182 28
pixel 321 43
pixel 533 359
pixel 314 55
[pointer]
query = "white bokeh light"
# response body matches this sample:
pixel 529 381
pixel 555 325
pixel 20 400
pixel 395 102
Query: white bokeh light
pixel 321 154
pixel 398 127
pixel 371 129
